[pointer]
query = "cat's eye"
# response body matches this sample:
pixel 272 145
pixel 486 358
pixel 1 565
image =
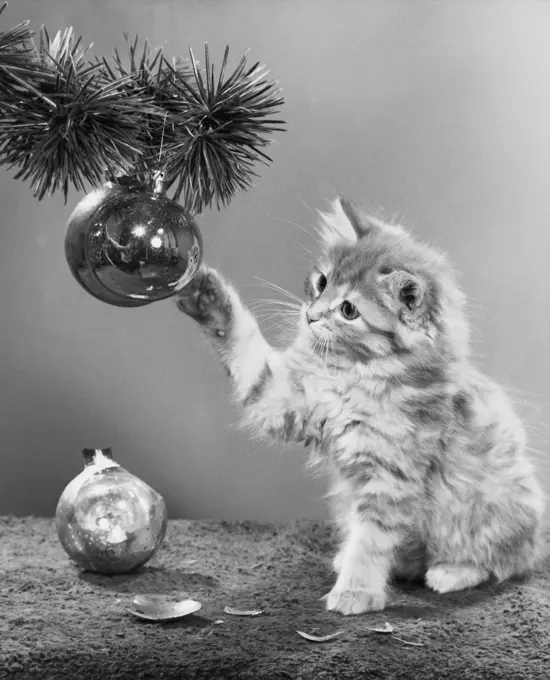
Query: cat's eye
pixel 321 283
pixel 349 311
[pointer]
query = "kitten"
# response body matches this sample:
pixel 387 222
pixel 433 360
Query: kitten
pixel 429 474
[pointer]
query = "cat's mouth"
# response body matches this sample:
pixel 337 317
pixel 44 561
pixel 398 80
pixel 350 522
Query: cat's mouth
pixel 320 337
pixel 320 328
pixel 317 334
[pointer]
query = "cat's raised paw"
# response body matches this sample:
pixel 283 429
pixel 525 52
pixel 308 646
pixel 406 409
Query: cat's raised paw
pixel 206 299
pixel 447 578
pixel 350 602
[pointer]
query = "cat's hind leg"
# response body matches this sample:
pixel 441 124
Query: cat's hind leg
pixel 447 578
pixel 489 540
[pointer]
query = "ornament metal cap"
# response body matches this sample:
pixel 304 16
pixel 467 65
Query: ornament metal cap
pixel 90 455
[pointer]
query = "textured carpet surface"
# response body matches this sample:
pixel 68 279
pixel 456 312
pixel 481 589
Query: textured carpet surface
pixel 56 622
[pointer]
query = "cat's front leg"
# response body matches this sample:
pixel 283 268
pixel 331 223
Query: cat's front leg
pixel 373 496
pixel 217 307
pixel 363 564
pixel 261 380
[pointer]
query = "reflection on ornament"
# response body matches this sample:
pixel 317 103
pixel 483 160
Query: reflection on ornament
pixel 108 520
pixel 129 245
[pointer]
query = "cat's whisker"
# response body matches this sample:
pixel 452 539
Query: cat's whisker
pixel 286 336
pixel 266 329
pixel 537 435
pixel 317 345
pixel 278 324
pixel 325 349
pixel 291 296
pixel 276 303
pixel 539 452
pixel 290 313
pixel 282 324
pixel 307 260
pixel 527 399
pixel 314 236
pixel 327 341
pixel 320 344
pixel 314 257
pixel 268 314
pixel 313 212
pixel 274 286
pixel 270 317
pixel 281 313
pixel 321 347
pixel 281 303
pixel 333 351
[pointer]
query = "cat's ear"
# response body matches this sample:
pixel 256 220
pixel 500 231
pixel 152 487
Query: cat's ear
pixel 345 222
pixel 405 291
pixel 361 222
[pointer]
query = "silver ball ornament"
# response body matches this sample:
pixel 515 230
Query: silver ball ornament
pixel 107 520
pixel 130 245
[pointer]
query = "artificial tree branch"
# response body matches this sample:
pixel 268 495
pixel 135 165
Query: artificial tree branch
pixel 69 119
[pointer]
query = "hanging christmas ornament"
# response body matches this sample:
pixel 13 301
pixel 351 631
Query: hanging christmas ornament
pixel 68 119
pixel 109 521
pixel 129 245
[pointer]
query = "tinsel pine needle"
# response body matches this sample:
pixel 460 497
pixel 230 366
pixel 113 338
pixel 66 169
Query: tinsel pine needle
pixel 15 54
pixel 67 119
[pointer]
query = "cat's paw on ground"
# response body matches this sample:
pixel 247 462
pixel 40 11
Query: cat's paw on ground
pixel 448 578
pixel 350 602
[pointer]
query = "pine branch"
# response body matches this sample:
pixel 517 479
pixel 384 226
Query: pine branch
pixel 150 74
pixel 226 121
pixel 16 55
pixel 69 119
pixel 68 125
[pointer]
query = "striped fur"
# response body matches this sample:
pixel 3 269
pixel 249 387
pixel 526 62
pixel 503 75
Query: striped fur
pixel 426 456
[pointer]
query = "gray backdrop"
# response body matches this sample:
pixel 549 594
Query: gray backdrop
pixel 438 112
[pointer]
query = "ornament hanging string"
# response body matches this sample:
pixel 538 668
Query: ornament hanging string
pixel 162 137
pixel 67 119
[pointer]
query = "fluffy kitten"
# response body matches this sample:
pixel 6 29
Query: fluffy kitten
pixel 427 459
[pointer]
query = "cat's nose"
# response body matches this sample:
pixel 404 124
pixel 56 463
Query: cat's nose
pixel 311 316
